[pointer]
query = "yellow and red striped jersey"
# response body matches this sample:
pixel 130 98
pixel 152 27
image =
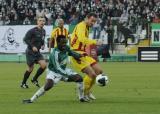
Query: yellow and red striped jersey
pixel 80 37
pixel 58 31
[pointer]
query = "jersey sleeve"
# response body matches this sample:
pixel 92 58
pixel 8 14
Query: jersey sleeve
pixel 53 33
pixel 82 37
pixel 28 38
pixel 56 63
pixel 74 54
pixel 67 34
pixel 43 42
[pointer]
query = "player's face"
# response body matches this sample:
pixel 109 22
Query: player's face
pixel 61 23
pixel 91 21
pixel 62 44
pixel 41 22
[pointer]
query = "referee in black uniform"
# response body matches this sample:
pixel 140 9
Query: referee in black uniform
pixel 34 39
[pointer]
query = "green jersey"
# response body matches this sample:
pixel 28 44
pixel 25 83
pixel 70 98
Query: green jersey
pixel 58 60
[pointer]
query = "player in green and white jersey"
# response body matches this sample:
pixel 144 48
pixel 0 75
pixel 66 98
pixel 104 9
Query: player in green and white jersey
pixel 57 70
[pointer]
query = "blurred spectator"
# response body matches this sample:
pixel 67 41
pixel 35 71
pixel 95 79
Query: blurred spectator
pixel 6 21
pixel 132 12
pixel 1 21
pixel 26 21
pixel 48 16
pixel 156 19
pixel 97 29
pixel 73 20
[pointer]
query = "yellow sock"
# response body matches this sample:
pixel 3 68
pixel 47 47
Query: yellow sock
pixel 88 83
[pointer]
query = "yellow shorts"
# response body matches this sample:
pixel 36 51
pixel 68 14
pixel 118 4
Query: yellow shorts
pixel 85 61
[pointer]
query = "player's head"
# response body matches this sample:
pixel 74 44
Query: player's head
pixel 40 21
pixel 91 18
pixel 61 42
pixel 60 23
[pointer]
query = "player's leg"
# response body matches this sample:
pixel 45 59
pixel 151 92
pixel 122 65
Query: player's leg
pixel 89 80
pixel 49 84
pixel 51 79
pixel 97 69
pixel 30 62
pixel 26 76
pixel 85 67
pixel 42 68
pixel 41 91
pixel 74 77
pixel 79 80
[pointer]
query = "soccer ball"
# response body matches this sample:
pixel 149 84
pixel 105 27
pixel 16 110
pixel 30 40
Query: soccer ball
pixel 101 80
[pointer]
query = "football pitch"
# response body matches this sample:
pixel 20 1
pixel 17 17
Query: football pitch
pixel 134 88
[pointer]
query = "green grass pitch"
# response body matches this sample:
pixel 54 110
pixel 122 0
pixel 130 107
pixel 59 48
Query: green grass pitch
pixel 134 88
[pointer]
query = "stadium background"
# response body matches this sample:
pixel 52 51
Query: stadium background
pixel 125 25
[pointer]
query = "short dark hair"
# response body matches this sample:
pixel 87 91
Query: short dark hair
pixel 60 37
pixel 91 14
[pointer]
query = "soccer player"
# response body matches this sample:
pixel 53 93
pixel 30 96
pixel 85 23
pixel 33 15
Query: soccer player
pixel 57 70
pixel 88 65
pixel 59 30
pixel 34 39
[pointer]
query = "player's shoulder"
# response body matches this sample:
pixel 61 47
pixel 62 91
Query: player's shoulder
pixel 32 29
pixel 81 25
pixel 55 50
pixel 43 29
pixel 56 28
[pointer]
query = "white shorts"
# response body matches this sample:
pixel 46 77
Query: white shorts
pixel 56 77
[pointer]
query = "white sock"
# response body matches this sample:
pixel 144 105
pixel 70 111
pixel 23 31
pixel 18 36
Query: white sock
pixel 39 93
pixel 80 90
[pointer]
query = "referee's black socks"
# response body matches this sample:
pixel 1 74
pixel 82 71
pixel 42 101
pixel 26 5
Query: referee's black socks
pixel 39 72
pixel 26 76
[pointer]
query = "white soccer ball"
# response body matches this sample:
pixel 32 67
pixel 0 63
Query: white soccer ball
pixel 102 80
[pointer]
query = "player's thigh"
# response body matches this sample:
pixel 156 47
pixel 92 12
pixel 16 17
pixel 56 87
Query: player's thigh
pixel 42 63
pixel 89 71
pixel 96 67
pixel 55 77
pixel 73 76
pixel 85 62
pixel 30 68
pixel 30 60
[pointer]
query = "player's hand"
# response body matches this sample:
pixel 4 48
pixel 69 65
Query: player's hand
pixel 78 61
pixel 42 47
pixel 34 49
pixel 82 55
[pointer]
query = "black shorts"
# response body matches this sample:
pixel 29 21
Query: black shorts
pixel 33 57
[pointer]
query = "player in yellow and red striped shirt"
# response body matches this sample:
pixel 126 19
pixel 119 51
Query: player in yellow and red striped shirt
pixel 79 41
pixel 59 30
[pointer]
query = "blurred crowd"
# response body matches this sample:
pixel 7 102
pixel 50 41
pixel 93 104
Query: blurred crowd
pixel 72 11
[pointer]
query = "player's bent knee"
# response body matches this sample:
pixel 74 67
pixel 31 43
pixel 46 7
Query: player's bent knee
pixel 43 64
pixel 48 85
pixel 30 70
pixel 79 79
pixel 92 75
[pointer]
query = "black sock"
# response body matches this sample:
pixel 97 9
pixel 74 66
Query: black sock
pixel 26 76
pixel 39 72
